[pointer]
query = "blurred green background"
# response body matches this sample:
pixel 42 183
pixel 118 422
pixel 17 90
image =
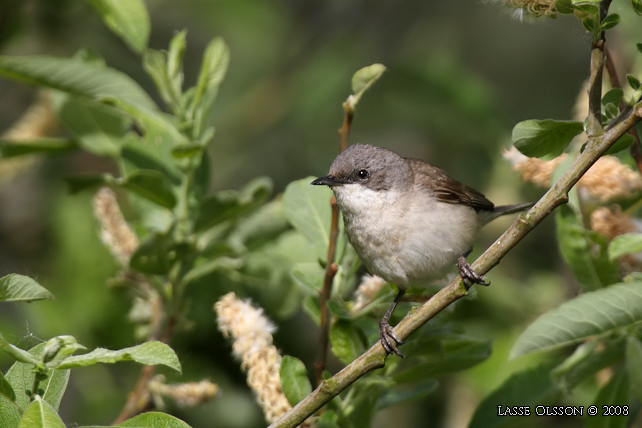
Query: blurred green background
pixel 460 75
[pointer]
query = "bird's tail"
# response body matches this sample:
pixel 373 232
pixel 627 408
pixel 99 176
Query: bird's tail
pixel 506 209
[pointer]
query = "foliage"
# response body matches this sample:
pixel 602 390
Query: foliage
pixel 276 249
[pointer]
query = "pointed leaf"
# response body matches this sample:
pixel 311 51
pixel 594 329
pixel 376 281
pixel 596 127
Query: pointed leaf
pixel 364 79
pixel 625 244
pixel 6 390
pixel 457 355
pixel 156 254
pixel 610 21
pixel 230 204
pixel 215 62
pixel 613 96
pixel 587 315
pixel 21 377
pixel 309 275
pixel 586 258
pixel 529 388
pixel 633 81
pixel 308 209
pixel 40 414
pixel 148 353
pixel 15 288
pixel 155 63
pixel 40 146
pixel 98 128
pixel 128 19
pixel 154 420
pixel 634 365
pixel 545 139
pixel 75 77
pixel 615 393
pixel 151 185
pixel 347 345
pixel 398 395
pixel 294 379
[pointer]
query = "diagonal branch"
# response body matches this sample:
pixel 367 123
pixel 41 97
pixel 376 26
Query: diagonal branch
pixel 374 358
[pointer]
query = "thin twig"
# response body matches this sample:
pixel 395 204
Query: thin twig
pixel 636 147
pixel 331 267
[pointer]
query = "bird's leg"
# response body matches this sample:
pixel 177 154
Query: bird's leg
pixel 389 340
pixel 467 273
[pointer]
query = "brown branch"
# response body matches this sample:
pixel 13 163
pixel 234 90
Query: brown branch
pixel 324 294
pixel 138 399
pixel 331 267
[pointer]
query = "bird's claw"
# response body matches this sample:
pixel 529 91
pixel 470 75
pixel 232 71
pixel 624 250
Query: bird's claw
pixel 389 340
pixel 468 274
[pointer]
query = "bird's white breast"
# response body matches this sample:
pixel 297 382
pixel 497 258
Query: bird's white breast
pixel 404 237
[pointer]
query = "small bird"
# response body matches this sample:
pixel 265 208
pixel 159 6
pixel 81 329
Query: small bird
pixel 407 220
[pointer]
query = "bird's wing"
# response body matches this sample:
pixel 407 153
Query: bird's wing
pixel 447 189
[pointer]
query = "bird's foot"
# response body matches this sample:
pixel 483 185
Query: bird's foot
pixel 468 274
pixel 389 340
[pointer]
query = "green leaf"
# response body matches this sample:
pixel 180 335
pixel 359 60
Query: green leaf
pixel 18 354
pixel 328 419
pixel 545 139
pixel 294 379
pixel 155 64
pixel 40 414
pixel 405 394
pixel 148 353
pixel 625 244
pixel 175 60
pixel 633 81
pixel 6 390
pixel 79 183
pixel 128 19
pixel 187 150
pixel 309 275
pixel 587 260
pixel 456 355
pixel 43 146
pixel 639 45
pixel 75 77
pixel 215 62
pixel 346 342
pixel 634 365
pixel 564 6
pixel 614 96
pixel 230 204
pixel 622 143
pixel 610 21
pixel 58 348
pixel 589 24
pixel 98 128
pixel 578 319
pixel 311 307
pixel 151 185
pixel 637 7
pixel 364 79
pixel 156 254
pixel 21 377
pixel 20 288
pixel 615 393
pixel 529 388
pixel 308 209
pixel 9 414
pixel 154 420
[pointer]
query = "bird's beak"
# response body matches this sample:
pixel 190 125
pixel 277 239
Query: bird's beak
pixel 328 180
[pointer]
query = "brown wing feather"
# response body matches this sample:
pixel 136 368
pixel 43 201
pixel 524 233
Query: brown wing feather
pixel 447 189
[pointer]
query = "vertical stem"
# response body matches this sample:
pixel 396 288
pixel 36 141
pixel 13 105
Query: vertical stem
pixel 331 267
pixel 598 60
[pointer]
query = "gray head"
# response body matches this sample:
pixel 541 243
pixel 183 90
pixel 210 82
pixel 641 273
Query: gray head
pixel 373 167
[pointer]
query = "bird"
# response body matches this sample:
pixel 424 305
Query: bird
pixel 407 220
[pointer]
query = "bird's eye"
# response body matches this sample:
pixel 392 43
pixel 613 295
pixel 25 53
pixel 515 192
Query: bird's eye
pixel 363 174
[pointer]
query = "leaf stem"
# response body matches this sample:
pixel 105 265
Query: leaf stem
pixel 331 267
